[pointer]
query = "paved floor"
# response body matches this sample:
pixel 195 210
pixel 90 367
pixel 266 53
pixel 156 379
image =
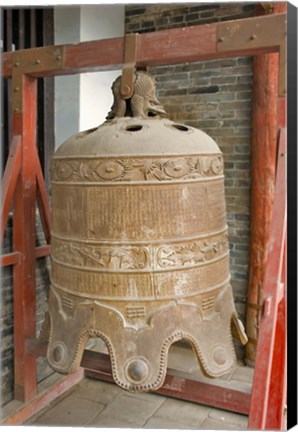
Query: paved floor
pixel 93 403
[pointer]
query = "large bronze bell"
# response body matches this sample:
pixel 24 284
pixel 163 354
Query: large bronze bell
pixel 140 252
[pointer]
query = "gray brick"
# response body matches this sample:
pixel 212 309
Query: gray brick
pixel 96 391
pixel 220 64
pixel 244 95
pixel 192 17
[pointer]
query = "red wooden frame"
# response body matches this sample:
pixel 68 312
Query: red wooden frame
pixel 268 400
pixel 23 182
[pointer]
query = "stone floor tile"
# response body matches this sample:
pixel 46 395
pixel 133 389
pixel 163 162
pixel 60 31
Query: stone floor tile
pixel 9 408
pixel 71 411
pixel 159 399
pixel 243 373
pixel 188 414
pixel 51 380
pixel 164 423
pixel 129 409
pixel 228 416
pixel 96 391
pixel 109 421
pixel 213 424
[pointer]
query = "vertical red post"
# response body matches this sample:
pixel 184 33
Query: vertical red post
pixel 278 385
pixel 268 391
pixel 24 237
pixel 263 171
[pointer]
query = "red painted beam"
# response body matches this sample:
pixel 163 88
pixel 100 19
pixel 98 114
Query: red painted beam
pixel 24 241
pixel 266 106
pixel 9 259
pixel 14 257
pixel 42 251
pixel 268 321
pixel 43 399
pixel 275 419
pixel 178 385
pixel 9 180
pixel 182 45
pixel 105 54
pixel 206 394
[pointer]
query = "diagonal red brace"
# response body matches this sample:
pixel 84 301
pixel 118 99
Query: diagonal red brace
pixel 9 181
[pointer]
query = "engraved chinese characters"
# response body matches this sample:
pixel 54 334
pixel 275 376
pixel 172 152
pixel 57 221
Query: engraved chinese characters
pixel 140 253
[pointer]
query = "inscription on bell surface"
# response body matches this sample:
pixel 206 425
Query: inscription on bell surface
pixel 140 251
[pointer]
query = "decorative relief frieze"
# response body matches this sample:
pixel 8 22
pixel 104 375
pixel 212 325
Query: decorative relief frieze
pixel 143 169
pixel 171 256
pixel 106 258
pixel 136 258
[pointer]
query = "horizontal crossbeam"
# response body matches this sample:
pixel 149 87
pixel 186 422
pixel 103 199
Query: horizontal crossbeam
pixel 182 45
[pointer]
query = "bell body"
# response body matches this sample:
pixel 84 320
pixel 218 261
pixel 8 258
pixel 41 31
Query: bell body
pixel 140 252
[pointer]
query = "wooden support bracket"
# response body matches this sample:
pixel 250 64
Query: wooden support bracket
pixel 34 62
pixel 253 33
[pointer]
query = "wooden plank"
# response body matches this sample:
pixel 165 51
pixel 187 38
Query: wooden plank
pixel 275 419
pixel 9 180
pixel 186 44
pixel 43 399
pixel 9 259
pixel 206 394
pixel 105 54
pixel 251 33
pixel 42 251
pixel 14 257
pixel 263 171
pixel 268 320
pixel 24 240
pixel 180 45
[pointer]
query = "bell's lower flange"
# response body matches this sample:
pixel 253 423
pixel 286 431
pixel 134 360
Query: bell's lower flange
pixel 138 352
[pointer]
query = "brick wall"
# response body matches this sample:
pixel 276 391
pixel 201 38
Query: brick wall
pixel 214 96
pixel 6 317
